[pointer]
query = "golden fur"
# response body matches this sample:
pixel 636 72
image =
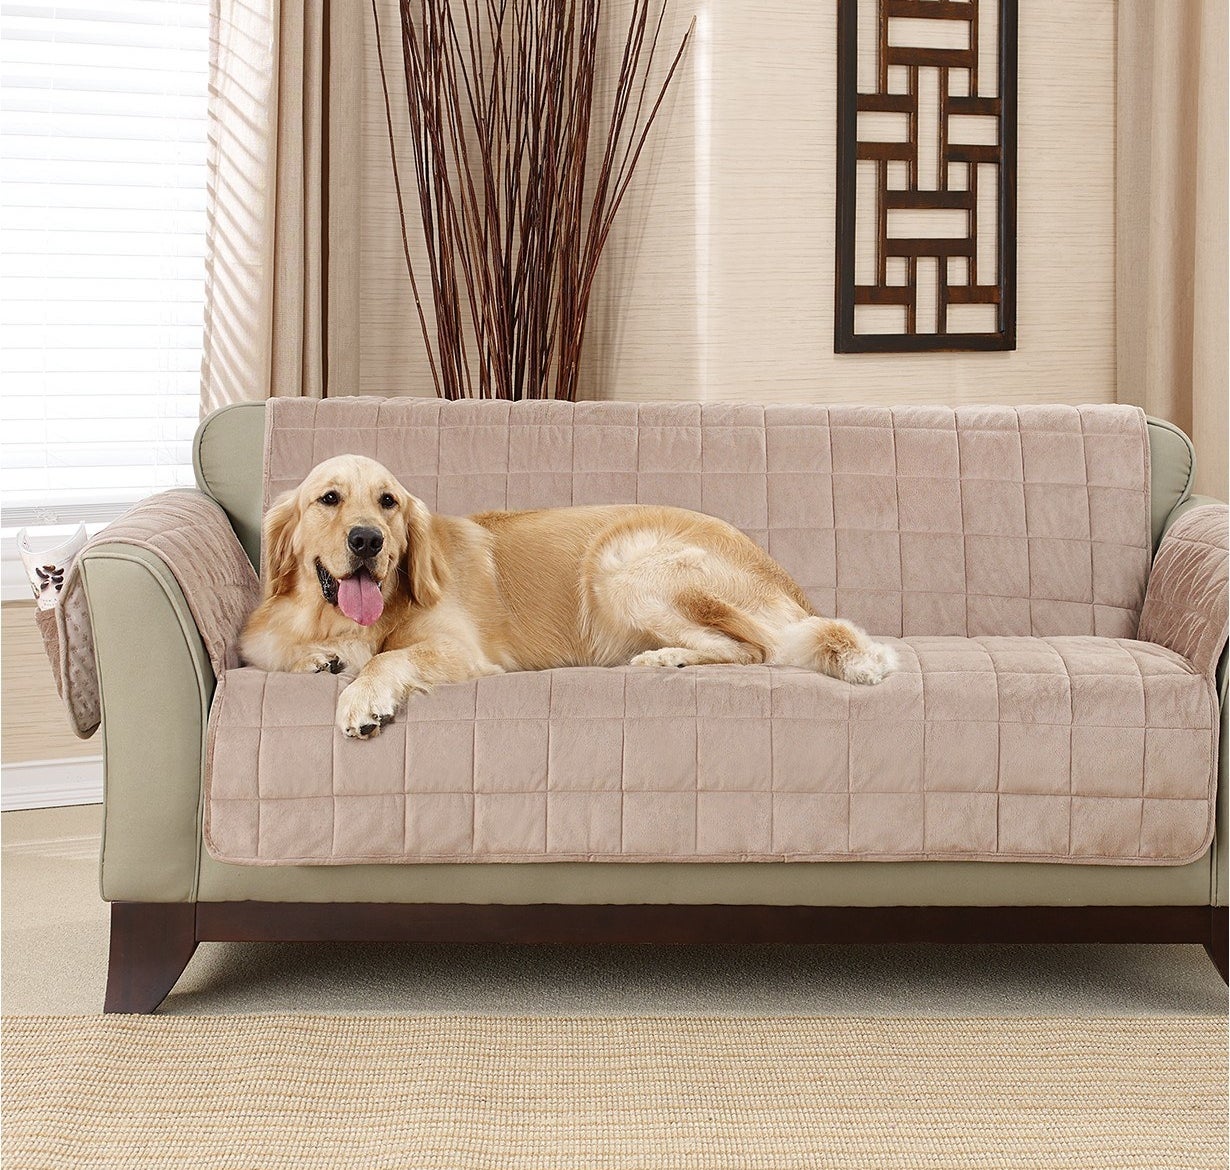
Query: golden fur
pixel 501 591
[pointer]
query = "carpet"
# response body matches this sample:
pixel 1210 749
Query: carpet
pixel 282 1091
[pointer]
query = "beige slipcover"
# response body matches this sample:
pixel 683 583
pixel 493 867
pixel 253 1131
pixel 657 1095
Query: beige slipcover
pixel 191 535
pixel 1074 749
pixel 1009 547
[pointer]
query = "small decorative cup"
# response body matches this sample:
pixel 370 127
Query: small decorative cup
pixel 48 567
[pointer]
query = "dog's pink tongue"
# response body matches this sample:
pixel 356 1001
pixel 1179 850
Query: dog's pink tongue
pixel 358 597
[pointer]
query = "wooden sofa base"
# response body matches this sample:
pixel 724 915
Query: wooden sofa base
pixel 151 943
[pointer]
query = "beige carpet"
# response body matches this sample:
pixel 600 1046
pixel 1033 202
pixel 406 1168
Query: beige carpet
pixel 595 1057
pixel 372 1092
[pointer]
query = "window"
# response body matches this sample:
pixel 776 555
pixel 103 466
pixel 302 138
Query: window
pixel 102 234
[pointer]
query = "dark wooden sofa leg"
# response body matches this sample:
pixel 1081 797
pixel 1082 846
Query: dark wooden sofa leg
pixel 151 943
pixel 1218 945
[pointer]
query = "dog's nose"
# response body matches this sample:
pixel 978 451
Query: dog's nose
pixel 365 542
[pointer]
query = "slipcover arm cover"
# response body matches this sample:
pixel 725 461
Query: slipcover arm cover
pixel 191 536
pixel 1187 602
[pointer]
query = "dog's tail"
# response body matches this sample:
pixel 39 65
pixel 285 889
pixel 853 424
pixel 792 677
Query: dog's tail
pixel 835 648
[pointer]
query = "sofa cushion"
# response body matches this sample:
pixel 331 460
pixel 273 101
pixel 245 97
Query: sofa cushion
pixel 1064 749
pixel 911 520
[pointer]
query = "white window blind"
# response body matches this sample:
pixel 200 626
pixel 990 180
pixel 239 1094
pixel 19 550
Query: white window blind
pixel 102 234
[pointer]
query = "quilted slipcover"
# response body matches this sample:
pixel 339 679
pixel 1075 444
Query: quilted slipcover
pixel 1059 749
pixel 1007 548
pixel 191 535
pixel 1186 607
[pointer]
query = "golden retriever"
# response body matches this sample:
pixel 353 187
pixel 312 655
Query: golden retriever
pixel 360 577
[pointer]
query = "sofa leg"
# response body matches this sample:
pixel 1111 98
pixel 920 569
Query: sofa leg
pixel 151 943
pixel 1218 945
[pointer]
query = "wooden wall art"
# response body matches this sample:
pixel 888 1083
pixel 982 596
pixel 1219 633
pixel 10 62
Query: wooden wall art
pixel 926 175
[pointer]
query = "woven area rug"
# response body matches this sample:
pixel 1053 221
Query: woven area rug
pixel 374 1092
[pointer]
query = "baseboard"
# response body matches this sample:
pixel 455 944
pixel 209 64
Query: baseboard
pixel 51 783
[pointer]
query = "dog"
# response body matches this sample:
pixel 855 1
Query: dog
pixel 361 577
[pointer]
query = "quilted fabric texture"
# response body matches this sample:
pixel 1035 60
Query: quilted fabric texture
pixel 911 520
pixel 49 631
pixel 194 539
pixel 1062 749
pixel 1187 606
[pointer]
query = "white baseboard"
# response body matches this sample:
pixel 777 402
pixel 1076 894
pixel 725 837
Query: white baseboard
pixel 51 783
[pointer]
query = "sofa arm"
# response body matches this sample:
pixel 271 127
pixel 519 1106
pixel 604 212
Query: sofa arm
pixel 155 684
pixel 1187 602
pixel 168 588
pixel 1185 568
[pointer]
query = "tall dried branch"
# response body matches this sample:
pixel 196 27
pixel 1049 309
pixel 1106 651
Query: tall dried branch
pixel 518 178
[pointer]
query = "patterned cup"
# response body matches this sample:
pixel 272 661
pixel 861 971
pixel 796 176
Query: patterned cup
pixel 48 567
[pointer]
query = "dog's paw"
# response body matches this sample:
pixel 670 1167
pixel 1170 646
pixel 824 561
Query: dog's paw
pixel 670 656
pixel 362 711
pixel 320 662
pixel 868 665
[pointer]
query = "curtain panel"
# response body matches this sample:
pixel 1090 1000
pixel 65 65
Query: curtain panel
pixel 281 312
pixel 1171 238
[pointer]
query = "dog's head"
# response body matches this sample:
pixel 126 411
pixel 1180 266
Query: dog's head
pixel 355 533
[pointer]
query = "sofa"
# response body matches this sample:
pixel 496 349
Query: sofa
pixel 1042 767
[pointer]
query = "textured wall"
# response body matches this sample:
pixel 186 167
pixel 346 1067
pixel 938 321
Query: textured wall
pixel 718 281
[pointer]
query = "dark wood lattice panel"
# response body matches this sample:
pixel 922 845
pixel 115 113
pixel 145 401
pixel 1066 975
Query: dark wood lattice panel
pixel 926 175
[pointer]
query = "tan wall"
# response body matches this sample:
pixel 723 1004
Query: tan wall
pixel 34 724
pixel 718 282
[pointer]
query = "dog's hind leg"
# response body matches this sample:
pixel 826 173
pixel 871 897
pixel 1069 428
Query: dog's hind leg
pixel 700 629
pixel 834 648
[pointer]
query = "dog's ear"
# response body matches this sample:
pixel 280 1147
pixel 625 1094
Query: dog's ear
pixel 278 544
pixel 423 563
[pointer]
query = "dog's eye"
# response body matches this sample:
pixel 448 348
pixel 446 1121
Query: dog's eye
pixel 330 499
pixel 388 501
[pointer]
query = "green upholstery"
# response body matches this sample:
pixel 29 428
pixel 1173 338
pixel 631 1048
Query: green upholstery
pixel 1172 467
pixel 157 685
pixel 228 455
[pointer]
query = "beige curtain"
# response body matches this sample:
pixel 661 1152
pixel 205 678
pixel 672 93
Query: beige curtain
pixel 281 315
pixel 1171 247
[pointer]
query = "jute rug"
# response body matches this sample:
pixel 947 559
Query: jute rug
pixel 375 1092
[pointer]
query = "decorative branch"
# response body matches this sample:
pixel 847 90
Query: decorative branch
pixel 516 197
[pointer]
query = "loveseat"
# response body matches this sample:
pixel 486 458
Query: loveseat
pixel 1043 766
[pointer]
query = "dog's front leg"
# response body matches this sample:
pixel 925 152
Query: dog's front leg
pixel 389 679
